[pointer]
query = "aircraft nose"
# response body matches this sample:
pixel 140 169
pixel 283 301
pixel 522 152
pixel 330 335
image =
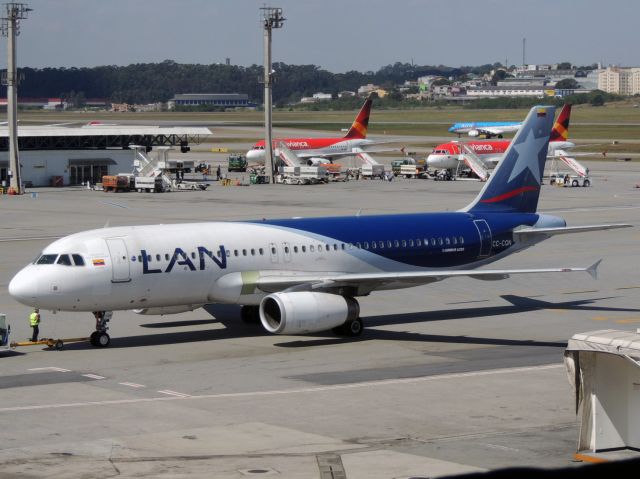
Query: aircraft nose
pixel 254 155
pixel 24 288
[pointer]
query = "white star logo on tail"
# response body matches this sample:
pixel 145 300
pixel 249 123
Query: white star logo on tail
pixel 527 152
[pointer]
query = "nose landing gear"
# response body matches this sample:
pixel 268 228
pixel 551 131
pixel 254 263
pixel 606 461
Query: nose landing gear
pixel 100 338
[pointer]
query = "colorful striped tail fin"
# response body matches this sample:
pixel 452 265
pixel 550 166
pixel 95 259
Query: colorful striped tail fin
pixel 361 123
pixel 560 130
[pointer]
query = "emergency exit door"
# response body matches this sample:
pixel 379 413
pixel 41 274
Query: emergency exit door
pixel 485 237
pixel 120 270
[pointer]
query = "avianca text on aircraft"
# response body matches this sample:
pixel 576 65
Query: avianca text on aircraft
pixel 487 128
pixel 324 148
pixel 297 275
pixel 448 155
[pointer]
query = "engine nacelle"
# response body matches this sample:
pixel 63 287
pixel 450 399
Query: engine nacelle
pixel 306 312
pixel 162 310
pixel 317 161
pixel 474 133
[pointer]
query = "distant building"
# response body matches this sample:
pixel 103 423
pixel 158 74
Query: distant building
pixel 322 96
pixel 509 91
pixel 225 100
pixel 54 103
pixel 621 81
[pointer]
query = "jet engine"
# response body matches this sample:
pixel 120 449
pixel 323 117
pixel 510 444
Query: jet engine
pixel 306 312
pixel 162 310
pixel 474 133
pixel 317 161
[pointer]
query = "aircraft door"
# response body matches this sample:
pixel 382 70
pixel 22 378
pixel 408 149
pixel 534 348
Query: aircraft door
pixel 485 237
pixel 273 250
pixel 119 260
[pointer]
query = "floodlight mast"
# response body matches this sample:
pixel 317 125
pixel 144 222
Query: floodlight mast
pixel 271 18
pixel 10 27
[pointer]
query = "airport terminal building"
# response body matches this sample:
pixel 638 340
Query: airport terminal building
pixel 62 156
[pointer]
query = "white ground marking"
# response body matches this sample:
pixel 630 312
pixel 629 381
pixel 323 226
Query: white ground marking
pixel 132 385
pixel 51 369
pixel 174 393
pixel 93 376
pixel 335 387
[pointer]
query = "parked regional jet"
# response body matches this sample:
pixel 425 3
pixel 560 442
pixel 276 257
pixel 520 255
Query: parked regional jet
pixel 300 275
pixel 316 151
pixel 449 155
pixel 487 128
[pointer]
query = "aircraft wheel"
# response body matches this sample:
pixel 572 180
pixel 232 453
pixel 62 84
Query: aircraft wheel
pixel 93 339
pixel 352 328
pixel 102 340
pixel 59 344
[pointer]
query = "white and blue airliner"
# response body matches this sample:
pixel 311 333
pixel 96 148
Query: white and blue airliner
pixel 300 275
pixel 487 128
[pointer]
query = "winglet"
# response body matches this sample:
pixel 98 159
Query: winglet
pixel 593 269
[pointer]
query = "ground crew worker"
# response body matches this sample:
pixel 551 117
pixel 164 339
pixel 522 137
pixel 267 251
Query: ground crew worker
pixel 34 320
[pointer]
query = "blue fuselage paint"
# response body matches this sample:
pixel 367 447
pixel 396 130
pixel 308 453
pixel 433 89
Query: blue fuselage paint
pixel 430 240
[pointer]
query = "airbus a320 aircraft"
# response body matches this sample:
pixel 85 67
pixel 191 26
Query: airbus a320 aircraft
pixel 300 275
pixel 487 128
pixel 319 150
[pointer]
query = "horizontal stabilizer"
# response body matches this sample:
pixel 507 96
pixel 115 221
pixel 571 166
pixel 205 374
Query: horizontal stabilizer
pixel 568 229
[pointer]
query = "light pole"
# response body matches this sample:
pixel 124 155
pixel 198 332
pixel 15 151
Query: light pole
pixel 271 18
pixel 10 27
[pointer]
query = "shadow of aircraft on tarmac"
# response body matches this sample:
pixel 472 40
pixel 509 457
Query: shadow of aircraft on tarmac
pixel 229 316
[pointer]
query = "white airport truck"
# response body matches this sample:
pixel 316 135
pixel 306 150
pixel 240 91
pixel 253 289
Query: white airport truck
pixel 149 184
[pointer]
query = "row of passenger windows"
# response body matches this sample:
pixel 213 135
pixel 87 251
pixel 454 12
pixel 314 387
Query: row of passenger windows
pixel 368 245
pixel 63 259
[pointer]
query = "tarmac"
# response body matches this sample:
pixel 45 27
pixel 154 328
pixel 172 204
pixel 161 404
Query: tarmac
pixel 454 377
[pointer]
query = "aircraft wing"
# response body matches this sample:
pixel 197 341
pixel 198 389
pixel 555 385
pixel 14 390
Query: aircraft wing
pixel 533 232
pixel 342 154
pixel 367 282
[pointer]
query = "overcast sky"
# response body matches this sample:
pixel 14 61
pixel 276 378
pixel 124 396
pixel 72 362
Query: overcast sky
pixel 338 35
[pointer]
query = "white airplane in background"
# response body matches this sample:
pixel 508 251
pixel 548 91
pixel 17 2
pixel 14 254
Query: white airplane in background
pixel 487 128
pixel 300 275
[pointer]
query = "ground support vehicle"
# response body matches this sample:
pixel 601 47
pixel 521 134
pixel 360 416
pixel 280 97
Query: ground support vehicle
pixel 149 184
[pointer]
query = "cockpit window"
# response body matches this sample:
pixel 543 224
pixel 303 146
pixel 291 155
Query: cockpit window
pixel 47 259
pixel 78 260
pixel 64 260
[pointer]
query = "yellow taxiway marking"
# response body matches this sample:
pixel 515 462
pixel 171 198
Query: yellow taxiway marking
pixel 600 318
pixel 627 321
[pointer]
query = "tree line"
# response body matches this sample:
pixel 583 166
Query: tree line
pixel 158 82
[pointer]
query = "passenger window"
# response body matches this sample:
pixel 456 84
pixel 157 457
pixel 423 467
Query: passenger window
pixel 149 257
pixel 343 246
pixel 193 255
pixel 235 252
pixel 411 243
pixel 433 241
pixel 365 245
pixel 47 259
pixel 286 249
pixel 273 251
pixel 373 245
pixel 418 242
pixel 157 257
pixel 140 258
pixel 78 260
pixel 447 240
pixel 261 251
pixel 244 252
pixel 295 249
pixel 396 243
pixel 166 256
pixel 304 249
pixel 439 241
pixel 461 240
pixel 64 260
pixel 404 244
pixel 253 252
pixel 228 253
pixel 455 240
pixel 335 247
pixel 389 244
pixel 311 248
pixel 358 245
pixel 218 253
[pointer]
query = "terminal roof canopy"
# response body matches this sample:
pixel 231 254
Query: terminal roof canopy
pixel 101 137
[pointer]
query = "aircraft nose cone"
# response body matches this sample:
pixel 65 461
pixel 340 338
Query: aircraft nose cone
pixel 254 155
pixel 24 288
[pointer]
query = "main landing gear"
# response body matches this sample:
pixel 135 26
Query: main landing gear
pixel 351 328
pixel 100 338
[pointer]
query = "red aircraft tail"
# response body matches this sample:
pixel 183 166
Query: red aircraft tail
pixel 360 124
pixel 560 131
